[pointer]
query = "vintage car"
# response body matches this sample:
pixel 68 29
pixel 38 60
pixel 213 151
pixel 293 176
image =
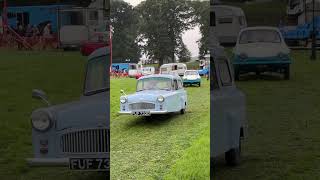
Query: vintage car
pixel 228 110
pixel 76 134
pixel 191 77
pixel 261 49
pixel 155 94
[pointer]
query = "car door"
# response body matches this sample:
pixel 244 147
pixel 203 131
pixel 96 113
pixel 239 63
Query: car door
pixel 182 94
pixel 225 107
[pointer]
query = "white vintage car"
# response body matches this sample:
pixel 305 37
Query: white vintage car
pixel 191 77
pixel 155 94
pixel 259 50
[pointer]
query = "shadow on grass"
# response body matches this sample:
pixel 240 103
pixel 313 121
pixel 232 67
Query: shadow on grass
pixel 157 120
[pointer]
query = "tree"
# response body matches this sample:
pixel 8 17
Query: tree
pixel 162 23
pixel 184 55
pixel 124 21
pixel 202 18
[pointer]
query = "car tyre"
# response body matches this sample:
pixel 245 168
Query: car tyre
pixel 199 84
pixel 183 111
pixel 233 156
pixel 287 73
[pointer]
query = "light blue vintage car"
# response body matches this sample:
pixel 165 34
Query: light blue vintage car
pixel 76 134
pixel 228 110
pixel 155 94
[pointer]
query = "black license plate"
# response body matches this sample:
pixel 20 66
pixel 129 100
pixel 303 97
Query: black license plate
pixel 93 164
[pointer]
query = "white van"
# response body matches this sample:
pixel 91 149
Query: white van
pixel 173 68
pixel 134 69
pixel 227 21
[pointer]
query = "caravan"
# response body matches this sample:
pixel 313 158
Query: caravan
pixel 173 68
pixel 227 22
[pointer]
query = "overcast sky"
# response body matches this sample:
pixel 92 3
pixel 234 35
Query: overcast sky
pixel 190 38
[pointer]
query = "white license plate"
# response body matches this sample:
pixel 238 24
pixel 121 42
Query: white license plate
pixel 141 113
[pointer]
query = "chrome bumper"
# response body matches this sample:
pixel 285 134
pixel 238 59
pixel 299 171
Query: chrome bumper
pixel 151 112
pixel 56 162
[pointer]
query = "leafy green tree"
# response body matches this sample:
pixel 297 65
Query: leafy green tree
pixel 124 21
pixel 162 23
pixel 202 18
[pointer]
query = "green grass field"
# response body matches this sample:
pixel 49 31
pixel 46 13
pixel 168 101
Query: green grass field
pixel 166 147
pixel 283 116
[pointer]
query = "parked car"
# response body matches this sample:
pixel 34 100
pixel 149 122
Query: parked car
pixel 228 110
pixel 173 68
pixel 191 77
pixel 261 49
pixel 88 47
pixel 76 134
pixel 155 94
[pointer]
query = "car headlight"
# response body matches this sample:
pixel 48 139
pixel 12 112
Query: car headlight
pixel 41 120
pixel 160 98
pixel 123 100
pixel 243 56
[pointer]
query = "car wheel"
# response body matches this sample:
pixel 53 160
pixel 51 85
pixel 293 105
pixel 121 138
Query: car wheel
pixel 199 84
pixel 258 73
pixel 287 73
pixel 182 111
pixel 233 156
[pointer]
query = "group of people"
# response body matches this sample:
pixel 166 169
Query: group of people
pixel 36 35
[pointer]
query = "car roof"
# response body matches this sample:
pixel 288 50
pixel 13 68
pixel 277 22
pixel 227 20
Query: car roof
pixel 261 28
pixel 236 10
pixel 103 51
pixel 170 76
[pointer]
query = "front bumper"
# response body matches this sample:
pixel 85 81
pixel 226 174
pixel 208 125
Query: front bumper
pixel 150 112
pixel 272 64
pixel 191 81
pixel 55 162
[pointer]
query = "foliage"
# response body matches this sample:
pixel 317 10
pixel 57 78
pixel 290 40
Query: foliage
pixel 125 31
pixel 201 13
pixel 162 23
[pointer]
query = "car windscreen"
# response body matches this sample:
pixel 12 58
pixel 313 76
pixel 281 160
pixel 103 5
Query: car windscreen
pixel 96 76
pixel 191 73
pixel 258 36
pixel 154 83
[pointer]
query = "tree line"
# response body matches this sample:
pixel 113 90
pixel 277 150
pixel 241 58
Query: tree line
pixel 155 28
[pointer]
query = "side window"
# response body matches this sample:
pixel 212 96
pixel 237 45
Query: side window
pixel 225 20
pixel 214 81
pixel 225 74
pixel 212 19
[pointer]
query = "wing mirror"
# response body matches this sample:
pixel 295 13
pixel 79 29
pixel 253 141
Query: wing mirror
pixel 122 92
pixel 39 94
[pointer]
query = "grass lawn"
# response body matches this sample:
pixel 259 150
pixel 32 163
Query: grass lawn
pixel 283 116
pixel 166 147
pixel 61 76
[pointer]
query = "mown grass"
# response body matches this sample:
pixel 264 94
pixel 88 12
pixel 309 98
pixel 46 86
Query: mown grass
pixel 165 146
pixel 284 125
pixel 60 74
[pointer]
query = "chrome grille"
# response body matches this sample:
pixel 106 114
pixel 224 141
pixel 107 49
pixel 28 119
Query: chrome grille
pixel 86 141
pixel 141 106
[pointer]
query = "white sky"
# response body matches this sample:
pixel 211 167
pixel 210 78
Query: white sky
pixel 190 37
